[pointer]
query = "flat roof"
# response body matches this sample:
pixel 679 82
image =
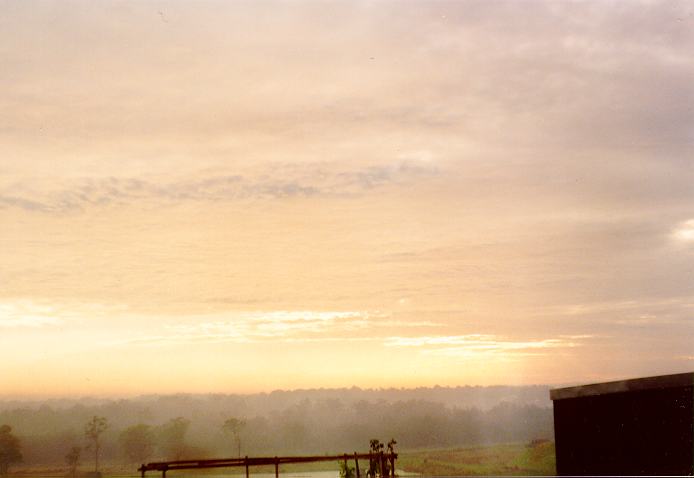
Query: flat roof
pixel 621 386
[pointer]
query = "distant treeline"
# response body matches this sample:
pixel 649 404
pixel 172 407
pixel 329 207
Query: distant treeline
pixel 296 422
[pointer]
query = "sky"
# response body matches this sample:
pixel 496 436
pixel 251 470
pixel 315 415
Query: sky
pixel 249 196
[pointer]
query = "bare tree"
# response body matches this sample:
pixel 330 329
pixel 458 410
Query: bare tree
pixel 92 430
pixel 234 426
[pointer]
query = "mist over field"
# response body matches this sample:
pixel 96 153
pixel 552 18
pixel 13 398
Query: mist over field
pixel 282 422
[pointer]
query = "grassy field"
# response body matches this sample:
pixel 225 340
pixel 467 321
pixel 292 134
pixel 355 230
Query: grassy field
pixel 508 459
pixel 511 459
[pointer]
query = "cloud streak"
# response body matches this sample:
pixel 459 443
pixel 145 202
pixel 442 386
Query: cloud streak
pixel 21 315
pixel 476 345
pixel 278 326
pixel 288 181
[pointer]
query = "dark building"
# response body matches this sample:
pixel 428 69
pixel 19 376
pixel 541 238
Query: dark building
pixel 643 426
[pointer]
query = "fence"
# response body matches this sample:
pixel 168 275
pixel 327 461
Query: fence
pixel 383 463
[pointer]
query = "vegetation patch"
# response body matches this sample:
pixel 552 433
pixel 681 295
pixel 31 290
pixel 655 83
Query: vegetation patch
pixel 507 459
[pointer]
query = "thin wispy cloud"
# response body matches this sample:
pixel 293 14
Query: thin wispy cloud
pixel 21 315
pixel 30 321
pixel 475 345
pixel 610 308
pixel 283 181
pixel 279 327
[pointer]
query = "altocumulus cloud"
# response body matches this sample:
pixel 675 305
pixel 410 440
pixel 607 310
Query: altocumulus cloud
pixel 286 181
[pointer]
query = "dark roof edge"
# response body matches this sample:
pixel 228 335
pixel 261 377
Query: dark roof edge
pixel 620 386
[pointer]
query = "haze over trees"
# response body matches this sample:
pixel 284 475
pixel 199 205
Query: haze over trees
pixel 9 449
pixel 233 426
pixel 172 436
pixel 168 427
pixel 137 443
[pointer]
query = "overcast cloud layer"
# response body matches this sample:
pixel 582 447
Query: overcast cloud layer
pixel 245 196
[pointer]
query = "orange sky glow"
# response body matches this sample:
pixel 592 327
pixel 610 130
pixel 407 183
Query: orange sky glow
pixel 247 196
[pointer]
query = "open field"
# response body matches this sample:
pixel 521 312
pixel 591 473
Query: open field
pixel 509 459
pixel 506 459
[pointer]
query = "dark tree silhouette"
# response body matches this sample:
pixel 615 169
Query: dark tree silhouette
pixel 375 465
pixel 9 449
pixel 93 430
pixel 73 460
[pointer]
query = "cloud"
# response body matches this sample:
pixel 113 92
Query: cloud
pixel 644 320
pixel 21 203
pixel 684 232
pixel 274 324
pixel 664 311
pixel 27 315
pixel 538 185
pixel 281 181
pixel 474 345
pixel 27 321
pixel 277 326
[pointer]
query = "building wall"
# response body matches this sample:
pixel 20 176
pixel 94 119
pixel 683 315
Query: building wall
pixel 646 432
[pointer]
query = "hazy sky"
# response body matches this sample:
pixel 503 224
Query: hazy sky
pixel 244 196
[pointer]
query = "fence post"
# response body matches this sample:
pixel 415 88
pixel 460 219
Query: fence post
pixel 356 464
pixel 277 468
pixel 245 462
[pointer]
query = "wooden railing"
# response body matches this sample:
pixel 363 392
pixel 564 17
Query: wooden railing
pixel 381 459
